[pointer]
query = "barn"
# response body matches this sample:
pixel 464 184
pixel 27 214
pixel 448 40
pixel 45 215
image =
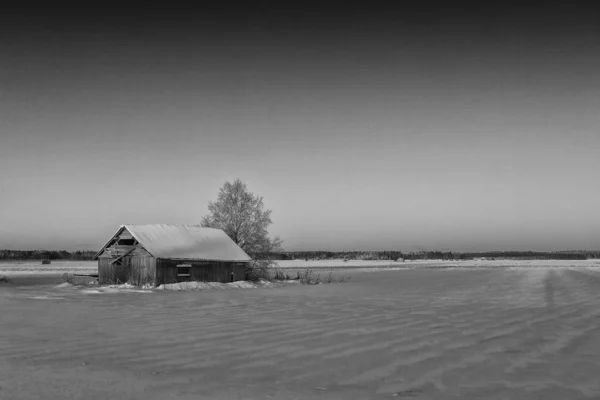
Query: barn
pixel 165 253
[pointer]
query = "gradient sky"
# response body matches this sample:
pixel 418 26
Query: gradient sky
pixel 421 128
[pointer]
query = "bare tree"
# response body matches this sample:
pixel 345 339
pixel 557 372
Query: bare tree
pixel 241 214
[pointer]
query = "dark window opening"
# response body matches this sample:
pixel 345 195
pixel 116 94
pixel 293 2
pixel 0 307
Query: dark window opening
pixel 126 242
pixel 184 272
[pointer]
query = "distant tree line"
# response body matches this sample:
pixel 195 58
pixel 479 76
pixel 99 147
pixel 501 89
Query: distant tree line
pixel 46 255
pixel 391 255
pixel 430 255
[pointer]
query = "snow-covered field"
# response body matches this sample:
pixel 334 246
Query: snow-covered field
pixel 444 333
pixel 60 267
pixel 481 263
pixel 91 267
pixel 8 268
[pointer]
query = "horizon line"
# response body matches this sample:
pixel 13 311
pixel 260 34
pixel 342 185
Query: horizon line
pixel 371 250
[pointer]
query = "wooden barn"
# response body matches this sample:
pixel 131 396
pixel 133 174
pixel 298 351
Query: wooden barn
pixel 160 253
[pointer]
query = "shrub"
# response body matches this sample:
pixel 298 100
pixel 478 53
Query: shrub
pixel 309 277
pixel 4 279
pixel 279 275
pixel 69 278
pixel 329 277
pixel 265 270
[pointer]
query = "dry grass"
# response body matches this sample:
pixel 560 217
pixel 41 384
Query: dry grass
pixel 309 277
pixel 264 270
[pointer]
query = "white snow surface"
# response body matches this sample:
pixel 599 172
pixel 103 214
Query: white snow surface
pixel 475 263
pixel 213 285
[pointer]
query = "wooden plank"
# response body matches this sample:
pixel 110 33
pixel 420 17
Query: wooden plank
pixel 160 277
pixel 120 257
pixel 142 271
pixel 169 268
pixel 120 251
pixel 102 271
pixel 204 271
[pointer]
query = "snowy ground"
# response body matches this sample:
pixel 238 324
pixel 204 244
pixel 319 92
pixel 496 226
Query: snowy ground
pixel 481 263
pixel 91 267
pixel 442 333
pixel 34 273
pixel 8 268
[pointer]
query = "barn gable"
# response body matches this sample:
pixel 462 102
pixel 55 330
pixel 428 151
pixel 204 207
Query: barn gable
pixel 122 244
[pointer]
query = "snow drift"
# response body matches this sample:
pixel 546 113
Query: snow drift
pixel 214 285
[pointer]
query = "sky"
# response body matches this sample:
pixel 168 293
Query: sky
pixel 466 128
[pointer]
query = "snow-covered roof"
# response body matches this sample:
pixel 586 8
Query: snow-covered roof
pixel 186 242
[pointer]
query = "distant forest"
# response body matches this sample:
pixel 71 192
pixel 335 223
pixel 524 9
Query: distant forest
pixel 432 255
pixel 15 255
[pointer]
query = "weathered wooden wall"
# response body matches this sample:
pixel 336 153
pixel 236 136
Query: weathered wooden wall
pixel 133 270
pixel 103 270
pixel 204 271
pixel 115 251
pixel 141 270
